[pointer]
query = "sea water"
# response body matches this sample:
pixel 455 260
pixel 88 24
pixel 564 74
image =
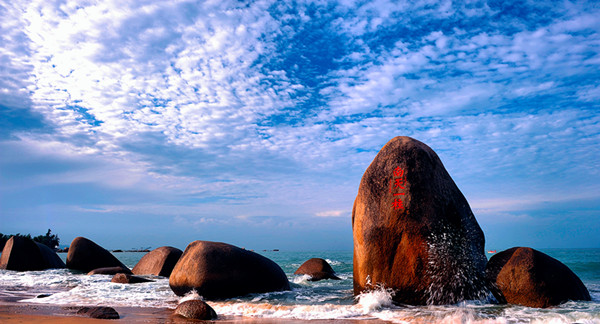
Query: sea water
pixel 327 299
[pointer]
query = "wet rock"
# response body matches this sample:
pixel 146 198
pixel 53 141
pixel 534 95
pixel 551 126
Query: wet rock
pixel 196 309
pixel 219 270
pixel 125 278
pixel 317 269
pixel 99 312
pixel 528 277
pixel 110 271
pixel 22 254
pixel 158 262
pixel 414 231
pixel 85 255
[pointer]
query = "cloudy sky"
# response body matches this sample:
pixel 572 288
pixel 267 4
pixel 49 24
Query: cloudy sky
pixel 149 123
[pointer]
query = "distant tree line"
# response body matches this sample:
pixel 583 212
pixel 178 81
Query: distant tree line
pixel 50 240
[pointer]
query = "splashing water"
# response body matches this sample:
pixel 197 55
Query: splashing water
pixel 308 300
pixel 375 299
pixel 192 295
pixel 455 271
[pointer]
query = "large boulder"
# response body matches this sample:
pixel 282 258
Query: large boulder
pixel 85 255
pixel 158 262
pixel 219 270
pixel 414 231
pixel 317 269
pixel 531 278
pixel 22 254
pixel 196 309
pixel 52 260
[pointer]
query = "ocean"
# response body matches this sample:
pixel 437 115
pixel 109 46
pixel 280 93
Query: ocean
pixel 328 299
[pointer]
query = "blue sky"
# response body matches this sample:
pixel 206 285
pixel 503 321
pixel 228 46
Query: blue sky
pixel 149 123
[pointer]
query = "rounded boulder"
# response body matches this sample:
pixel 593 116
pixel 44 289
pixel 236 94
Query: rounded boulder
pixel 158 262
pixel 53 261
pixel 196 309
pixel 85 255
pixel 414 231
pixel 317 269
pixel 22 254
pixel 219 270
pixel 528 277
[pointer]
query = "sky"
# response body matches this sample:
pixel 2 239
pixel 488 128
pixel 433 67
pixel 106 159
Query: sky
pixel 150 123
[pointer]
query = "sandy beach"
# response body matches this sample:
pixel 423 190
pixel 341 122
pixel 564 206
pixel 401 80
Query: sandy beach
pixel 15 312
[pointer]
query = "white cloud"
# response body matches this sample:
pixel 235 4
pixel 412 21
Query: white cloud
pixel 14 59
pixel 332 213
pixel 206 104
pixel 133 71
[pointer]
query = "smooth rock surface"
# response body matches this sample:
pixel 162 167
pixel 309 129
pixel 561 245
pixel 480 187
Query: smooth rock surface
pixel 317 269
pixel 414 231
pixel 22 254
pixel 528 277
pixel 158 262
pixel 85 255
pixel 219 270
pixel 196 309
pixel 52 260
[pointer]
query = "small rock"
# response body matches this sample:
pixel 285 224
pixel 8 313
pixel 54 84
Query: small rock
pixel 196 309
pixel 317 269
pixel 99 312
pixel 125 278
pixel 110 271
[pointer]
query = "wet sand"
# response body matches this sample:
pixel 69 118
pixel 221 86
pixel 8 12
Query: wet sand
pixel 13 312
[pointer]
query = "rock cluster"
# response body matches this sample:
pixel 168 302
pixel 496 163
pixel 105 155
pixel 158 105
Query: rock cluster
pixel 414 233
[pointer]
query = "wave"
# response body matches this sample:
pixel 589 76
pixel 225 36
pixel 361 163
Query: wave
pixel 308 300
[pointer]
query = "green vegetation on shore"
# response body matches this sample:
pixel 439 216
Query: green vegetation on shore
pixel 50 240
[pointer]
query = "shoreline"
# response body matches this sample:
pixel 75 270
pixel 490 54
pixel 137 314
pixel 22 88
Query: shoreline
pixel 17 312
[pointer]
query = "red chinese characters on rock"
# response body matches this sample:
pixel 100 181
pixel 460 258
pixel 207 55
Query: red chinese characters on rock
pixel 398 188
